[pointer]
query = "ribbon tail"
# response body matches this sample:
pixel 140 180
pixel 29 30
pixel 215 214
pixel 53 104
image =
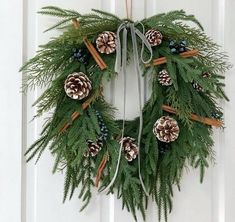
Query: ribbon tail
pixel 123 69
pixel 120 65
pixel 118 49
pixel 144 43
pixel 136 63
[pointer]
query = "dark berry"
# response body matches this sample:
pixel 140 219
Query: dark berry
pixel 103 129
pixel 178 47
pixel 81 55
pixel 183 43
pixel 217 115
pixel 172 43
pixel 163 147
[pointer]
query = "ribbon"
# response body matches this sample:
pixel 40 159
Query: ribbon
pixel 120 68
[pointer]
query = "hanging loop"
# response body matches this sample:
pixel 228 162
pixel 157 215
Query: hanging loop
pixel 129 9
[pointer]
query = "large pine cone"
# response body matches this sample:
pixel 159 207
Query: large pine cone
pixel 130 148
pixel 106 42
pixel 154 37
pixel 93 148
pixel 166 129
pixel 77 86
pixel 164 78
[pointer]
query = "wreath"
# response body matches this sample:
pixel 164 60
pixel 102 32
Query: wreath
pixel 140 159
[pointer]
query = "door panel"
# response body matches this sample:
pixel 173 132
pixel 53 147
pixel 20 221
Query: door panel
pixel 34 194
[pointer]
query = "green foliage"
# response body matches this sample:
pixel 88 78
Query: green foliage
pixel 161 172
pixel 170 18
pixel 66 15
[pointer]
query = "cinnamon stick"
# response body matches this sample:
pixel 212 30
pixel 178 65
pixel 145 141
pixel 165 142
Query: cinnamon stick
pixel 189 53
pixel 101 169
pixel 75 115
pixel 76 23
pixel 100 62
pixel 163 60
pixel 204 120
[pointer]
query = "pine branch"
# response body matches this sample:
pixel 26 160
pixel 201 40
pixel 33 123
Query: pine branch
pixel 170 17
pixel 66 15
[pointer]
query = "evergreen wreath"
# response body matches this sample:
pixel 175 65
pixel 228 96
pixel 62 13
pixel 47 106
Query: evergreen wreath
pixel 139 163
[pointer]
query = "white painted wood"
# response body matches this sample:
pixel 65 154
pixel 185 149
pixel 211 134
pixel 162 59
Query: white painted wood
pixel 218 182
pixel 30 193
pixel 228 146
pixel 11 23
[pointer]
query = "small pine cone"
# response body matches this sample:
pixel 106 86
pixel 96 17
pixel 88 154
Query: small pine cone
pixel 93 148
pixel 130 148
pixel 166 129
pixel 197 87
pixel 206 75
pixel 164 78
pixel 106 42
pixel 77 86
pixel 154 37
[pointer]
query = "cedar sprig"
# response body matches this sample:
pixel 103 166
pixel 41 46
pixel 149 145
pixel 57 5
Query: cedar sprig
pixel 64 14
pixel 170 18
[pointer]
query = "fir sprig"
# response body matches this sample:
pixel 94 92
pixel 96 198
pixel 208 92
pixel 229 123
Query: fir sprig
pixel 65 15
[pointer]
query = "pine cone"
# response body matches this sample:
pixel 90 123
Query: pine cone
pixel 154 37
pixel 197 87
pixel 106 42
pixel 166 129
pixel 164 78
pixel 77 86
pixel 206 75
pixel 93 148
pixel 130 148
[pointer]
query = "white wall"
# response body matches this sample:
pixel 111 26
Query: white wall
pixel 11 23
pixel 29 193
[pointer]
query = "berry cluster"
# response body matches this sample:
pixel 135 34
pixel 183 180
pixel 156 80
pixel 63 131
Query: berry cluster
pixel 81 55
pixel 103 129
pixel 178 47
pixel 163 147
pixel 217 115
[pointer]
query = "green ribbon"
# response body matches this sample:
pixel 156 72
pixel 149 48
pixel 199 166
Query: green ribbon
pixel 120 68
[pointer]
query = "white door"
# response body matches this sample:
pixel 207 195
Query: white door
pixel 30 193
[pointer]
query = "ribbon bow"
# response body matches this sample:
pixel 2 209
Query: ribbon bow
pixel 120 68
